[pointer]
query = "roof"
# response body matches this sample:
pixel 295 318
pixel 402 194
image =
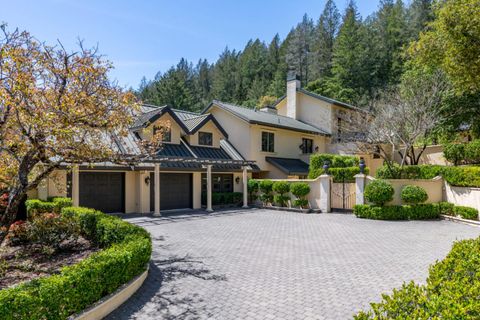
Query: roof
pixel 190 122
pixel 323 98
pixel 289 166
pixel 267 118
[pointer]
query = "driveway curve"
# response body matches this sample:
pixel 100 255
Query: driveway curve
pixel 264 264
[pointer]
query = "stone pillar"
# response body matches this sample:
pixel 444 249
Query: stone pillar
pixel 209 188
pixel 156 176
pixel 359 188
pixel 325 190
pixel 75 186
pixel 245 187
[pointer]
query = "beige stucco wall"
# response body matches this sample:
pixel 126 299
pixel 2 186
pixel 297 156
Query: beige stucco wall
pixel 433 155
pixel 130 199
pixel 207 127
pixel 433 187
pixel 462 196
pixel 197 190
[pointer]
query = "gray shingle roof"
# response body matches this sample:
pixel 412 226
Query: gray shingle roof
pixel 289 166
pixel 267 118
pixel 192 123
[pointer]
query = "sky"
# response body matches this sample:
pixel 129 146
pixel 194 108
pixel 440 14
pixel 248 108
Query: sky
pixel 144 37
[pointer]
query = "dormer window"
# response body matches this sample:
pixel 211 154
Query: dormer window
pixel 166 133
pixel 205 138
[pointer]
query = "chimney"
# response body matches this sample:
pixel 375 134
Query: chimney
pixel 293 83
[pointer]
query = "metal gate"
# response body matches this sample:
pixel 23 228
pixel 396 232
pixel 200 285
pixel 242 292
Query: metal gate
pixel 343 196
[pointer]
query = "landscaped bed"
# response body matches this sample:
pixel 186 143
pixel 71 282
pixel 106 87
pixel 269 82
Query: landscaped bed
pixel 71 257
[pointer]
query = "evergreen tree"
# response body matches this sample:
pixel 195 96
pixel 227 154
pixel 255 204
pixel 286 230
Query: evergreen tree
pixel 324 37
pixel 298 50
pixel 225 76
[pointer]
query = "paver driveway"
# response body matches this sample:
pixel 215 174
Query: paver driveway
pixel 263 264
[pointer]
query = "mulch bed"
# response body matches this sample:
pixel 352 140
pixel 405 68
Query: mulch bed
pixel 26 262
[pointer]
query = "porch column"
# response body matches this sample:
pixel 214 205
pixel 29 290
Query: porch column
pixel 156 176
pixel 359 188
pixel 209 188
pixel 325 190
pixel 245 187
pixel 75 186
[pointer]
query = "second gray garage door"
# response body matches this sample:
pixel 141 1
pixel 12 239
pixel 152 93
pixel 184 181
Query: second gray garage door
pixel 104 191
pixel 175 191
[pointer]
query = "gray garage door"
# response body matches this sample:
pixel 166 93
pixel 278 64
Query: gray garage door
pixel 175 191
pixel 104 191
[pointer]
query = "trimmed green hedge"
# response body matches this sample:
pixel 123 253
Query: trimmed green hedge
pixel 126 252
pixel 54 204
pixel 379 192
pixel 464 176
pixel 405 212
pixel 335 161
pixel 465 212
pixel 451 292
pixel 346 174
pixel 413 194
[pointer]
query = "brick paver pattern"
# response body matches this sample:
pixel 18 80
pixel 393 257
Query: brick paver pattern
pixel 263 264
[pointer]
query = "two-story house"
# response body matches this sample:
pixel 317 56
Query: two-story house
pixel 282 137
pixel 195 152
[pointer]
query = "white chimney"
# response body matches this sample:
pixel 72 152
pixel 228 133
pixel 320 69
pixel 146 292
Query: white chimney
pixel 293 83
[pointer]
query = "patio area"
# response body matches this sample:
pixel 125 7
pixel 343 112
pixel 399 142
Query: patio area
pixel 264 264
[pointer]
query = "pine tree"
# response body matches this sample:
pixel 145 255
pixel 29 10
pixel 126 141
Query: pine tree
pixel 324 37
pixel 298 50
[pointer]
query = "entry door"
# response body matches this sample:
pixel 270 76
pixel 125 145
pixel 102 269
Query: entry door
pixel 175 191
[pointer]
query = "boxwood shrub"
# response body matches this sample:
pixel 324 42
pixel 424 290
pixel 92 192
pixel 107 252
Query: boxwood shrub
pixel 265 187
pixel 413 194
pixel 281 188
pixel 300 190
pixel 465 212
pixel 405 212
pixel 125 254
pixel 462 176
pixel 451 291
pixel 52 205
pixel 346 174
pixel 379 192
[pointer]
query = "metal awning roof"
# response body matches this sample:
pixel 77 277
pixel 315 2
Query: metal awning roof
pixel 289 166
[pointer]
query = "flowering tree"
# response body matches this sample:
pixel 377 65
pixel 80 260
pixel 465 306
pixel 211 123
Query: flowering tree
pixel 56 108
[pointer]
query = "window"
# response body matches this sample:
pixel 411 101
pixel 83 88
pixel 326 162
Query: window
pixel 307 145
pixel 205 138
pixel 166 133
pixel 339 129
pixel 268 141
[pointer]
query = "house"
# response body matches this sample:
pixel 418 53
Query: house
pixel 195 152
pixel 281 138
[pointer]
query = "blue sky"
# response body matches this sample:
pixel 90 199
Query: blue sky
pixel 144 37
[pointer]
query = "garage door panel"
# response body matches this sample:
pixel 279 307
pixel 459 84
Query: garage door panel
pixel 175 191
pixel 104 191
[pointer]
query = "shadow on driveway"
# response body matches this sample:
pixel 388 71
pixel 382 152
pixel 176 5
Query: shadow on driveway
pixel 159 296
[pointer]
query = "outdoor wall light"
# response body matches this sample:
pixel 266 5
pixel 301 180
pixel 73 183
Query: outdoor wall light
pixel 147 181
pixel 237 180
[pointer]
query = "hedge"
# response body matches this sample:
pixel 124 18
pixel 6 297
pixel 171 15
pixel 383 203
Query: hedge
pixel 465 212
pixel 379 192
pixel 221 198
pixel 413 194
pixel 54 204
pixel 126 252
pixel 405 212
pixel 451 292
pixel 464 176
pixel 335 161
pixel 462 153
pixel 346 174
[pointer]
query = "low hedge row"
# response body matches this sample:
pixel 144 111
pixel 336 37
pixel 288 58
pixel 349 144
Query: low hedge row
pixel 346 174
pixel 464 176
pixel 220 198
pixel 451 292
pixel 405 212
pixel 53 204
pixel 126 252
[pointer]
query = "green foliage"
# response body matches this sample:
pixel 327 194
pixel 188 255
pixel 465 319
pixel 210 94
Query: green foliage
pixel 379 192
pixel 346 174
pixel 126 254
pixel 461 176
pixel 50 229
pixel 265 187
pixel 446 208
pixel 472 152
pixel 413 194
pixel 466 212
pixel 281 188
pixel 53 205
pixel 451 291
pixel 406 212
pixel 342 168
pixel 300 190
pixel 454 152
pixel 252 186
